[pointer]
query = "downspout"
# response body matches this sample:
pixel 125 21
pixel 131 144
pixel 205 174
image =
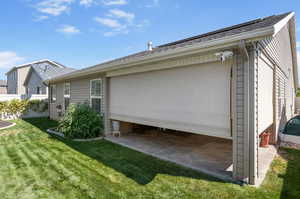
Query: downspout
pixel 243 50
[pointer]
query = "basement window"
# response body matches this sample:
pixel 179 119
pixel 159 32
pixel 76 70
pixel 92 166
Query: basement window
pixel 95 94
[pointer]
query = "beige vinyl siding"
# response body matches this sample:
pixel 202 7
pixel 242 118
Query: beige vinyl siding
pixel 244 123
pixel 279 51
pixel 12 82
pixel 238 139
pixel 264 95
pixel 59 101
pixel 22 74
pixel 79 93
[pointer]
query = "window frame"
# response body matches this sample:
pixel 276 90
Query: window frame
pixel 96 97
pixel 52 99
pixel 38 90
pixel 67 95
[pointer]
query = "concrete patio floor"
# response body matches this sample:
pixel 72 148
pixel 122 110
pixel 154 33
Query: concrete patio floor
pixel 265 158
pixel 209 155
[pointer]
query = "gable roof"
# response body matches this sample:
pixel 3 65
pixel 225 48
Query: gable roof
pixel 35 62
pixel 47 71
pixel 252 30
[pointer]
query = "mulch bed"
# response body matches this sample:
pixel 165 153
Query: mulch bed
pixel 4 124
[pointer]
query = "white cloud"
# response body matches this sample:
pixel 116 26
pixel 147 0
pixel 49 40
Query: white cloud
pixel 114 2
pixel 143 24
pixel 86 3
pixel 112 23
pixel 298 44
pixel 9 59
pixel 120 22
pixel 41 18
pixel 68 29
pixel 54 7
pixel 121 14
pixel 153 3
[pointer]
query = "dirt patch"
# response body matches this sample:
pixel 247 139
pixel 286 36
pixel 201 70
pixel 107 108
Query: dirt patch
pixel 290 145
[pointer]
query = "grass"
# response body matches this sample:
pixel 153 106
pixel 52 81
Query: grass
pixel 34 165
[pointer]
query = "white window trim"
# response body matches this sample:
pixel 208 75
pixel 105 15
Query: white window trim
pixel 51 94
pixel 67 96
pixel 95 97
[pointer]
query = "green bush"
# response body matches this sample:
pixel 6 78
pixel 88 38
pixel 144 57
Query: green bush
pixel 298 92
pixel 80 122
pixel 16 107
pixel 39 106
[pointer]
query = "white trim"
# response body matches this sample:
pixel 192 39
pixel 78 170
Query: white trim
pixel 96 97
pixel 65 95
pixel 52 99
pixel 174 63
pixel 278 26
pixel 11 125
pixel 224 42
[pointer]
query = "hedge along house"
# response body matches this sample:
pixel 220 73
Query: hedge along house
pixel 229 85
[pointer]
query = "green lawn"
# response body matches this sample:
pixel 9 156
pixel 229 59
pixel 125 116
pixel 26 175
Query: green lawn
pixel 35 165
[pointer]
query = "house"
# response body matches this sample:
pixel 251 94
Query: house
pixel 3 87
pixel 228 86
pixel 39 72
pixel 28 78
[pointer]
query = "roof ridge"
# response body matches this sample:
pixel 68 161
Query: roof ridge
pixel 222 30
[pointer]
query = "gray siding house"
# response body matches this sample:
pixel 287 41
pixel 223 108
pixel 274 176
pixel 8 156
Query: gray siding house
pixel 28 78
pixel 3 87
pixel 232 84
pixel 39 72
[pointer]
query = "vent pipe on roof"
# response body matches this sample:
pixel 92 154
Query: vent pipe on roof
pixel 150 46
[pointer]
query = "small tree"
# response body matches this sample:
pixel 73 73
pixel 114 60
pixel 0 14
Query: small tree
pixel 81 121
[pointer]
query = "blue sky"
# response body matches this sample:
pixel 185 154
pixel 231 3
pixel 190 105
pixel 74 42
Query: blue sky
pixel 81 33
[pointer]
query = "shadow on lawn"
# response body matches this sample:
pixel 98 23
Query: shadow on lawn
pixel 133 164
pixel 291 179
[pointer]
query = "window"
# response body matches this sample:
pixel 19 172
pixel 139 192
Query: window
pixel 96 97
pixel 67 95
pixel 38 90
pixel 14 75
pixel 53 93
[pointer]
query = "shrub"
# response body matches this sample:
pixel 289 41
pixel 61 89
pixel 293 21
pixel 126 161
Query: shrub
pixel 298 92
pixel 16 107
pixel 39 106
pixel 81 121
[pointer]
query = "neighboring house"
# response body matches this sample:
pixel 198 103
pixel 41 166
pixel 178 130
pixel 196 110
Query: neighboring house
pixel 234 83
pixel 39 72
pixel 28 78
pixel 3 87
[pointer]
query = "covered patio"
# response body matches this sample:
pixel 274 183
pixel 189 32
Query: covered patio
pixel 206 154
